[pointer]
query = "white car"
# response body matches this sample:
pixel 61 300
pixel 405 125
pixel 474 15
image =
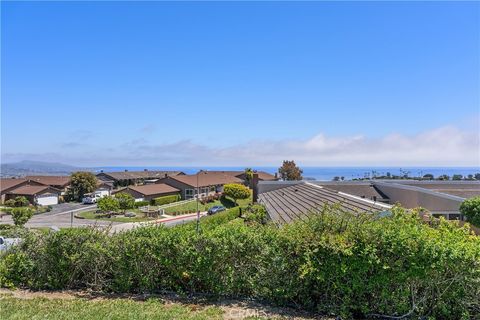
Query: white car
pixel 91 198
pixel 6 243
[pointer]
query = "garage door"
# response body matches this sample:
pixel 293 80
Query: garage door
pixel 47 199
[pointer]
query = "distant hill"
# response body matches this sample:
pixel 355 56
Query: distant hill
pixel 23 168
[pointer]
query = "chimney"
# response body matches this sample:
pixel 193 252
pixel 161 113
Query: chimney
pixel 276 175
pixel 255 187
pixel 166 175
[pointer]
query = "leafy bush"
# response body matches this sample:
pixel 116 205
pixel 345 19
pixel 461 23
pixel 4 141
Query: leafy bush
pixel 236 191
pixel 125 201
pixel 107 204
pixel 334 262
pixel 166 199
pixel 143 203
pixel 256 214
pixel 10 203
pixel 21 216
pixel 471 209
pixel 19 201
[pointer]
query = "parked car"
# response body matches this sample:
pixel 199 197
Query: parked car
pixel 216 209
pixel 92 198
pixel 6 243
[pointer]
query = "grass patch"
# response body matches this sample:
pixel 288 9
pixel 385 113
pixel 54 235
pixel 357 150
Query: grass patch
pixel 120 218
pixel 192 206
pixel 42 308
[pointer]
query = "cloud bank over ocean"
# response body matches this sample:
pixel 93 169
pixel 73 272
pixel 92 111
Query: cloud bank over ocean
pixel 443 146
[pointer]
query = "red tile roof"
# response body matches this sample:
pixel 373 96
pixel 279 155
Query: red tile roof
pixel 32 190
pixel 207 178
pixel 61 181
pixel 9 183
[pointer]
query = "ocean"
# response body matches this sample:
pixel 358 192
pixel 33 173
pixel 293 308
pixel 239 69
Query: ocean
pixel 322 173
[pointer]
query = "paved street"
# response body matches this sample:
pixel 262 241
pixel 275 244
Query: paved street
pixel 61 216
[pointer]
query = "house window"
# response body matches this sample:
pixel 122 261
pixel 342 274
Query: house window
pixel 188 193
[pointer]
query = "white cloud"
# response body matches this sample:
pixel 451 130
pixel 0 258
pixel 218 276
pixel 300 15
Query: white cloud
pixel 444 146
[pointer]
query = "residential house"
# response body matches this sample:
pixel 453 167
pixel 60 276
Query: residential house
pixel 148 192
pixel 127 178
pixel 58 182
pixel 36 194
pixel 203 183
pixel 9 184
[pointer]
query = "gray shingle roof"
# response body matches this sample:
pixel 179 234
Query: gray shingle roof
pixel 295 202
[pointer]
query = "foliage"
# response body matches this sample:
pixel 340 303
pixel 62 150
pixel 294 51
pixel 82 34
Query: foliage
pixel 457 177
pixel 142 203
pixel 248 176
pixel 21 215
pixel 471 209
pixel 125 201
pixel 19 201
pixel 256 214
pixel 166 199
pixel 428 176
pixel 10 203
pixel 352 265
pixel 289 171
pixel 108 204
pixel 236 191
pixel 81 183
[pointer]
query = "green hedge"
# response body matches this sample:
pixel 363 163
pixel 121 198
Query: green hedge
pixel 334 263
pixel 142 203
pixel 166 199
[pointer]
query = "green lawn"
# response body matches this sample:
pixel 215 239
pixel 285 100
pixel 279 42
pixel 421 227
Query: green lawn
pixel 79 308
pixel 192 206
pixel 120 218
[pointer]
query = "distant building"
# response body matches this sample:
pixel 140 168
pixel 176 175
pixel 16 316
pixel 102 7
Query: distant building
pixel 203 183
pixel 262 175
pixel 37 194
pixel 148 192
pixel 128 178
pixel 58 182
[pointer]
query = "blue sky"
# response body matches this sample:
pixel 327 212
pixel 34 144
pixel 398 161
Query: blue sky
pixel 210 83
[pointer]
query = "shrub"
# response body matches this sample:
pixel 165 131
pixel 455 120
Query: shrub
pixel 21 216
pixel 471 209
pixel 143 203
pixel 166 199
pixel 353 265
pixel 236 191
pixel 10 203
pixel 107 204
pixel 125 201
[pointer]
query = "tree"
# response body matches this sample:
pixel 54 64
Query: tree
pixel 107 204
pixel 236 191
pixel 457 177
pixel 248 176
pixel 21 216
pixel 336 178
pixel 477 176
pixel 428 176
pixel 82 183
pixel 289 171
pixel 444 177
pixel 471 209
pixel 21 201
pixel 125 200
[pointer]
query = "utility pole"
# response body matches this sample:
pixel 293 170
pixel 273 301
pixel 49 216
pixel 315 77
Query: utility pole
pixel 71 219
pixel 198 208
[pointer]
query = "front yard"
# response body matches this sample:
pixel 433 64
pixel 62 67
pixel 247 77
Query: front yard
pixel 140 216
pixel 191 207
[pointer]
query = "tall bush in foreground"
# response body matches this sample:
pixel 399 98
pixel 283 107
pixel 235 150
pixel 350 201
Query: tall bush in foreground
pixel 125 201
pixel 108 203
pixel 471 209
pixel 21 216
pixel 333 263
